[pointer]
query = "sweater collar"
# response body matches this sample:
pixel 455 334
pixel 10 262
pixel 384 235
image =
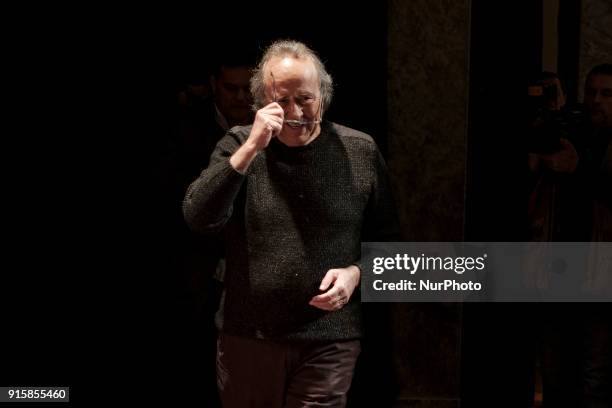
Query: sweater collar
pixel 296 150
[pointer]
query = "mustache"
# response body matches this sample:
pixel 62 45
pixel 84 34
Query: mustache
pixel 300 122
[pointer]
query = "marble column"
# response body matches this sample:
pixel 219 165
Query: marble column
pixel 595 37
pixel 427 100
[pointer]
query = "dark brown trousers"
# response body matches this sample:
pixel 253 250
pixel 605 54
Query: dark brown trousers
pixel 256 373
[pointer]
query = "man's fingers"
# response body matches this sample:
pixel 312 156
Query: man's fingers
pixel 274 124
pixel 326 305
pixel 333 304
pixel 329 278
pixel 274 109
pixel 335 295
pixel 327 296
pixel 322 306
pixel 272 105
pixel 338 295
pixel 275 119
pixel 269 113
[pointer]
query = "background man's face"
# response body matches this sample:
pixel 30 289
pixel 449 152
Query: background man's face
pixel 232 95
pixel 598 99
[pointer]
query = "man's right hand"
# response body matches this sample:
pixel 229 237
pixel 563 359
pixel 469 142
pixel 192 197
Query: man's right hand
pixel 268 123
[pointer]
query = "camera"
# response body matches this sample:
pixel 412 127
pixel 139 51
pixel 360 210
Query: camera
pixel 547 124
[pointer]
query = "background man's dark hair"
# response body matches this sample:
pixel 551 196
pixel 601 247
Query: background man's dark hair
pixel 233 56
pixel 601 69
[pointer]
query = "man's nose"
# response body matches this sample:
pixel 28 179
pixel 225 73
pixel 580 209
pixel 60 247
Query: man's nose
pixel 597 98
pixel 293 110
pixel 242 95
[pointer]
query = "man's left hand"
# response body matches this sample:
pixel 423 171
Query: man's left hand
pixel 338 286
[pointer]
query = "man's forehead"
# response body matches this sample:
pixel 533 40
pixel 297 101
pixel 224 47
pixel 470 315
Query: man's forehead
pixel 600 81
pixel 289 64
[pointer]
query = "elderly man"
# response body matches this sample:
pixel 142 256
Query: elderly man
pixel 294 196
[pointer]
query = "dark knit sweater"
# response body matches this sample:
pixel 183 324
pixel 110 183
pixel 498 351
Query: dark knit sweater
pixel 295 214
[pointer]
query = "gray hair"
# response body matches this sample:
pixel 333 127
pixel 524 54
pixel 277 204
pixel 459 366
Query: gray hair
pixel 294 49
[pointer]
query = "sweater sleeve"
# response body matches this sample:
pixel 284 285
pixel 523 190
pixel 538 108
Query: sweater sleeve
pixel 380 222
pixel 209 200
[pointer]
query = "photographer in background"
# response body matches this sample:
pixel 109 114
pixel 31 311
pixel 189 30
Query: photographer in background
pixel 554 140
pixel 570 159
pixel 569 151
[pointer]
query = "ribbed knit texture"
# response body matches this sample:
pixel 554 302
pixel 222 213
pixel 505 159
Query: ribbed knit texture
pixel 295 214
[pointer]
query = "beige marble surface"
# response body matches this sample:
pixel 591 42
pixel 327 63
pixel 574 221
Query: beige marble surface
pixel 596 37
pixel 427 88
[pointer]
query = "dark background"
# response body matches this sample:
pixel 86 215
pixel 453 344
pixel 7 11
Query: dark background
pixel 86 293
pixel 87 296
